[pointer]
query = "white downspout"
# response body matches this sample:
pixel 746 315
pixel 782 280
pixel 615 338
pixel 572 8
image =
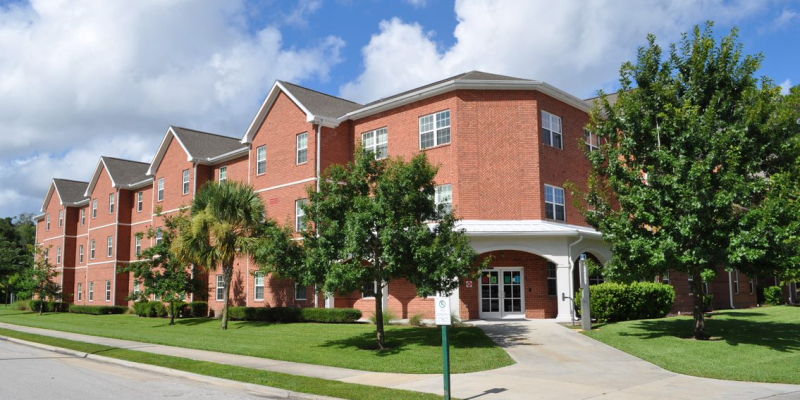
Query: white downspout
pixel 571 279
pixel 730 287
pixel 116 249
pixel 319 163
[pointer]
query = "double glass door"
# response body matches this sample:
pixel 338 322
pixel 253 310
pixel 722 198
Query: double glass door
pixel 502 294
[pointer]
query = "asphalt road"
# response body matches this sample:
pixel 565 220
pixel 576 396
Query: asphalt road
pixel 31 373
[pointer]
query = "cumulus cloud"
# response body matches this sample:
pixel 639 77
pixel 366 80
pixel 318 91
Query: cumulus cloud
pixel 95 77
pixel 785 86
pixel 575 45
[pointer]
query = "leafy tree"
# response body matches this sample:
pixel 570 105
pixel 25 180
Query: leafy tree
pixel 160 272
pixel 371 222
pixel 39 281
pixel 687 148
pixel 16 237
pixel 226 220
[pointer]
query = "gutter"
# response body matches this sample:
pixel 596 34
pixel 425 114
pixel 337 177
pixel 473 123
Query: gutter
pixel 730 288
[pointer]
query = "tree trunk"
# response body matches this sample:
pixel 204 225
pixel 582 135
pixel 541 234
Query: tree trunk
pixel 172 312
pixel 227 274
pixel 379 317
pixel 697 309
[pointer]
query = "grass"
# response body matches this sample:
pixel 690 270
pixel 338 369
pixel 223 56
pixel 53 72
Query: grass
pixel 758 345
pixel 248 375
pixel 412 349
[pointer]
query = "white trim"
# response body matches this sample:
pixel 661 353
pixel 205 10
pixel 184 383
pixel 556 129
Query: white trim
pixel 523 228
pixel 96 177
pixel 286 184
pixel 147 221
pixel 162 151
pixel 168 212
pixel 51 238
pixel 107 225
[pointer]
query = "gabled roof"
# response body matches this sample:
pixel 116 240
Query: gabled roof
pixel 466 76
pixel 70 193
pixel 200 147
pixel 611 97
pixel 124 174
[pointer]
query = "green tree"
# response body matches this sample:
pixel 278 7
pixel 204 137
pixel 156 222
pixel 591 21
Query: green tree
pixel 16 237
pixel 371 223
pixel 39 281
pixel 687 147
pixel 160 271
pixel 226 221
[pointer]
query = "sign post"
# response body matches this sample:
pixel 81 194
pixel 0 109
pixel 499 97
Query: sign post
pixel 443 320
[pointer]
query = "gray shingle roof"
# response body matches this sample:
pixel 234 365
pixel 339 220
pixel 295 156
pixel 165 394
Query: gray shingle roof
pixel 204 145
pixel 125 172
pixel 612 99
pixel 70 191
pixel 321 104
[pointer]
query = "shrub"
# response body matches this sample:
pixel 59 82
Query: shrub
pixel 773 295
pixel 49 306
pixel 198 309
pixel 388 316
pixel 330 315
pixel 142 308
pixel 21 305
pixel 708 302
pixel 415 320
pixel 97 310
pixel 621 302
pixel 150 309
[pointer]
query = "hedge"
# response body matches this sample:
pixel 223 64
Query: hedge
pixel 773 295
pixel 97 310
pixel 612 302
pixel 331 315
pixel 157 309
pixel 198 309
pixel 49 306
pixel 291 314
pixel 150 309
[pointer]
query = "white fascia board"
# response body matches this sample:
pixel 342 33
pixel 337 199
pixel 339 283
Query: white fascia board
pixel 138 185
pixel 523 228
pixel 96 176
pixel 38 217
pixel 277 87
pixel 399 101
pixel 224 157
pixel 162 151
pixel 47 198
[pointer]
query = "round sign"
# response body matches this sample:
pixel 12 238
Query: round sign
pixel 442 304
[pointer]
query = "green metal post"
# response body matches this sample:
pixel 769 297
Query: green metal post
pixel 446 354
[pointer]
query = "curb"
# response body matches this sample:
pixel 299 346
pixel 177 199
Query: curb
pixel 259 389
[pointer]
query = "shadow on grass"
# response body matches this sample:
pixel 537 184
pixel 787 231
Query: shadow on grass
pixel 402 339
pixel 780 336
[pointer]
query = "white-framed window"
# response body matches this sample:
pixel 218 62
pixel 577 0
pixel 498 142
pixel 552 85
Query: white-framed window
pixel 156 297
pixel 80 291
pixel 47 255
pixel 47 223
pixel 261 160
pixel 551 130
pixel 91 291
pixel 223 174
pixel 259 285
pixel 665 278
pixel 136 288
pixel 376 141
pixel 60 218
pixel 736 281
pixel 83 216
pixel 159 236
pixel 302 148
pixel 138 245
pixel 434 129
pixel 111 203
pixel 94 208
pixel 108 290
pixel 444 198
pixel 368 290
pixel 186 181
pixel 591 139
pixel 300 292
pixel 58 255
pixel 299 215
pixel 110 246
pixel 139 201
pixel 554 203
pixel 160 189
pixel 80 254
pixel 220 288
pixel 552 288
pixel 91 249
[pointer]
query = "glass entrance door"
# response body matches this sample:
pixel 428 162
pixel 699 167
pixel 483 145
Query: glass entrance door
pixel 501 293
pixel 512 293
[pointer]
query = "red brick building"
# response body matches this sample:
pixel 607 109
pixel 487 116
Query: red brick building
pixel 505 146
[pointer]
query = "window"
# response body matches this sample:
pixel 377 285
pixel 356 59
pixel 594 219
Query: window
pixel 551 130
pixel 752 286
pixel 299 215
pixel 58 255
pixel 259 284
pixel 434 129
pixel 261 160
pixel 80 254
pixel 220 288
pixel 302 148
pixel 156 297
pixel 83 216
pixel 138 245
pixel 136 289
pixel 108 290
pixel 91 250
pixel 110 246
pixel 665 278
pixel 60 218
pixel 554 203
pixel 736 281
pixel 111 203
pixel 159 236
pixel 80 291
pixel 591 139
pixel 139 201
pixel 160 189
pixel 552 289
pixel 186 181
pixel 368 290
pixel 300 292
pixel 91 291
pixel 223 174
pixel 94 208
pixel 46 255
pixel 376 141
pixel 444 198
pixel 47 223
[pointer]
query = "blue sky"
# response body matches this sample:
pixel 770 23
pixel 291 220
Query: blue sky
pixel 85 78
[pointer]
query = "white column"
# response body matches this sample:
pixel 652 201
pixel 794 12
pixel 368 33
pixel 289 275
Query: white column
pixel 455 303
pixel 329 301
pixel 562 287
pixel 385 298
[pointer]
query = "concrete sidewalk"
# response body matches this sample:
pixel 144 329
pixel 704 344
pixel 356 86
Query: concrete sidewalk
pixel 553 362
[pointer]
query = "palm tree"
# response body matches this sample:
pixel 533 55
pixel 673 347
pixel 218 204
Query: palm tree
pixel 226 219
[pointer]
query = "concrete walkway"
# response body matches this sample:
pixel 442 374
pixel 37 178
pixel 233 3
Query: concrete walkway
pixel 553 362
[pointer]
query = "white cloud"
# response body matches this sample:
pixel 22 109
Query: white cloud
pixel 574 45
pixel 785 86
pixel 299 16
pixel 98 77
pixel 785 19
pixel 417 3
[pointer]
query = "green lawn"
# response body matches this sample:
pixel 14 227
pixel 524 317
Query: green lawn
pixel 413 350
pixel 759 345
pixel 267 378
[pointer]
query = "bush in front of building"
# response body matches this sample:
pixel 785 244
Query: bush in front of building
pixel 267 314
pixel 330 315
pixel 773 295
pixel 612 302
pixel 198 309
pixel 97 310
pixel 21 305
pixel 49 306
pixel 150 309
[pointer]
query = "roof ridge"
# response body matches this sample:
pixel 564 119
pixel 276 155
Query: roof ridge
pixel 204 132
pixel 69 180
pixel 322 93
pixel 125 159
